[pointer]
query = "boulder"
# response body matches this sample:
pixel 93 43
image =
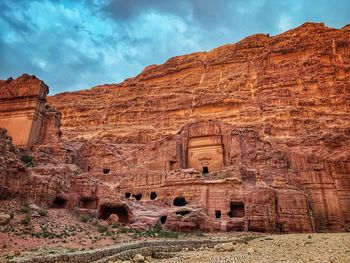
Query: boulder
pixel 224 247
pixel 4 218
pixel 138 258
pixel 113 219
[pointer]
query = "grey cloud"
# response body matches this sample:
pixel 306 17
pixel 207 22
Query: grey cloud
pixel 77 55
pixel 260 14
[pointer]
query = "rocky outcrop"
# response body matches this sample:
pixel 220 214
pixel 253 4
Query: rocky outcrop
pixel 12 169
pixel 47 183
pixel 44 173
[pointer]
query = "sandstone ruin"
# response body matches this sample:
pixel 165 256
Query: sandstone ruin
pixel 22 108
pixel 252 136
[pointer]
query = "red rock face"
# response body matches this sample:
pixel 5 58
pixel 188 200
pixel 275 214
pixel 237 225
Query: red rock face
pixel 11 167
pixel 285 102
pixel 251 136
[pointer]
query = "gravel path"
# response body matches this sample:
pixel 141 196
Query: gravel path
pixel 291 248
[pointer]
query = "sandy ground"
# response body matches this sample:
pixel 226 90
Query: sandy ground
pixel 289 248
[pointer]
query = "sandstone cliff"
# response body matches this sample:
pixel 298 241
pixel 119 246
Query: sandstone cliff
pixel 291 90
pixel 248 136
pixel 294 85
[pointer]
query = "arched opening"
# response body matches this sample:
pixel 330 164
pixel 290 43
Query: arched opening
pixel 153 195
pixel 205 169
pixel 236 209
pixel 163 219
pixel 106 170
pixel 137 197
pixel 88 203
pixel 180 201
pixel 106 210
pixel 217 214
pixel 59 202
pixel 127 195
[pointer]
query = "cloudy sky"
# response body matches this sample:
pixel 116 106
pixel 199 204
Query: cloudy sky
pixel 81 43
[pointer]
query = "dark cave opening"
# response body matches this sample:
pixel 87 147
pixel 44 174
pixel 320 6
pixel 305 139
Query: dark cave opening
pixel 106 210
pixel 236 209
pixel 106 170
pixel 182 213
pixel 127 195
pixel 137 197
pixel 153 195
pixel 163 219
pixel 205 169
pixel 59 202
pixel 217 214
pixel 180 201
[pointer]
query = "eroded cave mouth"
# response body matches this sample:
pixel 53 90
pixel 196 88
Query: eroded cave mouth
pixel 183 212
pixel 153 195
pixel 137 197
pixel 59 202
pixel 106 170
pixel 180 201
pixel 218 214
pixel 236 209
pixel 127 195
pixel 163 219
pixel 120 210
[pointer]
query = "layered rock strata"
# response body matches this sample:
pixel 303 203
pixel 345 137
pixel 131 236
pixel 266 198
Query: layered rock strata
pixel 251 136
pixel 287 99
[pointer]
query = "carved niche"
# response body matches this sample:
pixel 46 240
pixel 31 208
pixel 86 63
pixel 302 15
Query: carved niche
pixel 205 147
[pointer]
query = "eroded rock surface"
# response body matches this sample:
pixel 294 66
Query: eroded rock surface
pixel 252 136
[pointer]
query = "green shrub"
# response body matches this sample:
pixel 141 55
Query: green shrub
pixel 157 227
pixel 124 230
pixel 116 225
pixel 26 220
pixel 25 209
pixel 199 233
pixel 101 229
pixel 169 234
pixel 42 212
pixel 85 218
pixel 156 231
pixel 27 160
